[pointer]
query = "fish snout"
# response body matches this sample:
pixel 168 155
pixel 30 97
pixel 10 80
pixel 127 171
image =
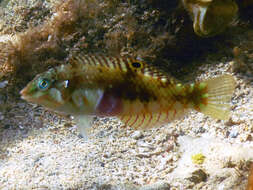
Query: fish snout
pixel 24 93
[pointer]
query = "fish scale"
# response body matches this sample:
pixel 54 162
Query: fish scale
pixel 139 94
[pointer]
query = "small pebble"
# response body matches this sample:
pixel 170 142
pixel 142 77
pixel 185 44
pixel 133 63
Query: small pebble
pixel 137 135
pixel 156 186
pixel 3 84
pixel 233 134
pixel 145 145
pixel 1 116
pixel 21 105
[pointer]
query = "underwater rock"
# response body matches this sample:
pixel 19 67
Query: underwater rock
pixel 137 135
pixel 3 84
pixel 198 176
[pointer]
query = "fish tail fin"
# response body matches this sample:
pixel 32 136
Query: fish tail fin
pixel 213 96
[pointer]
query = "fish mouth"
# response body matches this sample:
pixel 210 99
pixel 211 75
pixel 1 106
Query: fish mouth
pixel 25 95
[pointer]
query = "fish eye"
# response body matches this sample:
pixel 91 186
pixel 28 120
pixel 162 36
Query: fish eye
pixel 43 84
pixel 136 64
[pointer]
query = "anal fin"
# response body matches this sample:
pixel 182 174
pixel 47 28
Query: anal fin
pixel 84 123
pixel 146 120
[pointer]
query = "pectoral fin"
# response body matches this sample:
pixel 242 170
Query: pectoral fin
pixel 84 123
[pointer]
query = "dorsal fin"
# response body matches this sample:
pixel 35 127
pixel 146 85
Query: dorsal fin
pixel 122 64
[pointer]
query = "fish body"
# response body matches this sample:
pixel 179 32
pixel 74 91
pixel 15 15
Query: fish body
pixel 140 95
pixel 250 179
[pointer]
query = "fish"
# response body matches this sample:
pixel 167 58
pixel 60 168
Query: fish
pixel 140 95
pixel 250 179
pixel 211 17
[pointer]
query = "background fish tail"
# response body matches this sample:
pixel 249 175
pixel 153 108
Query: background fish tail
pixel 215 96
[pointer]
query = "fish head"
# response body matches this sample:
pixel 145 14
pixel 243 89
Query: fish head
pixel 45 89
